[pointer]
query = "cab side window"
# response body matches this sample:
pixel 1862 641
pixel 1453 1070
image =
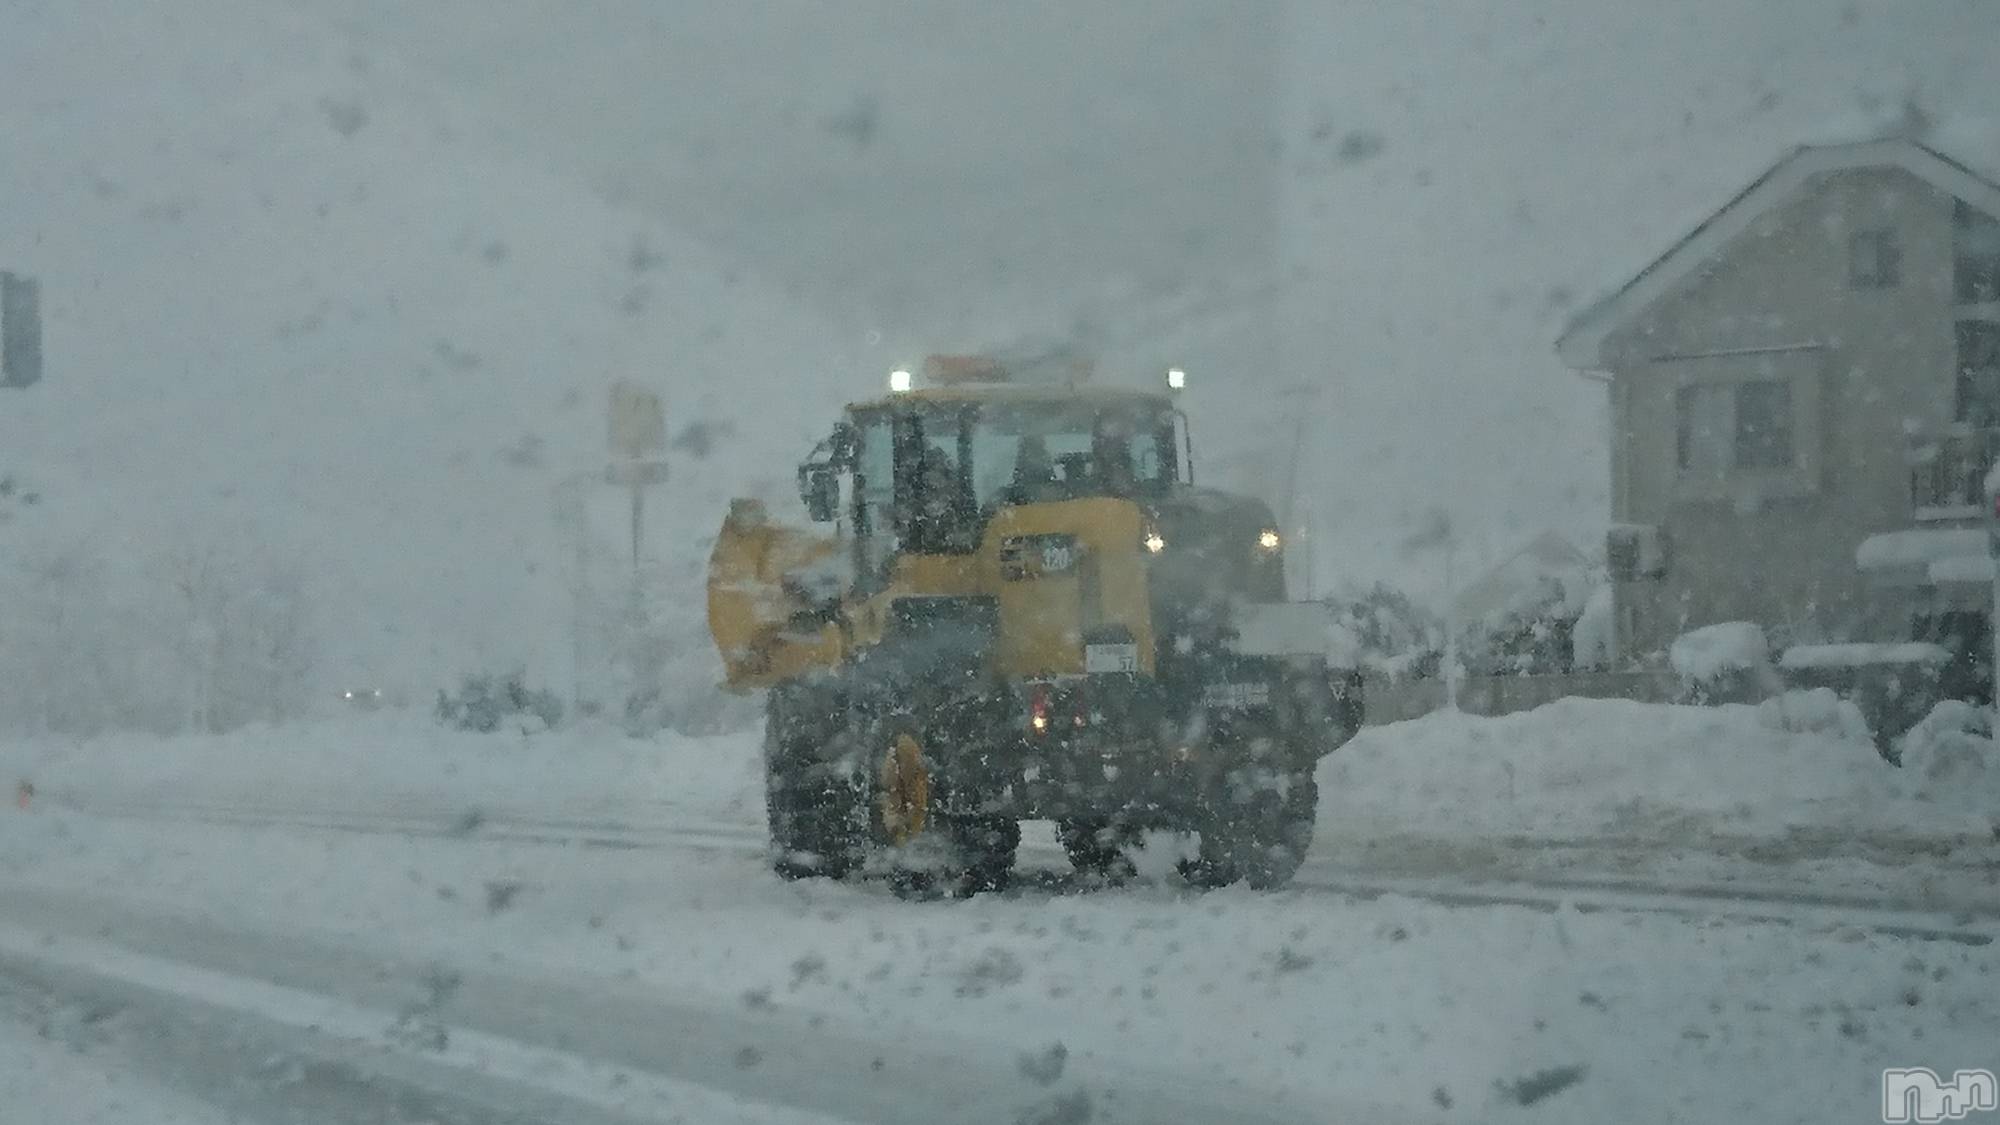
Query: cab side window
pixel 935 502
pixel 875 539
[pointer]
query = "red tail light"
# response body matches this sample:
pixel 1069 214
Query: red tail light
pixel 1038 709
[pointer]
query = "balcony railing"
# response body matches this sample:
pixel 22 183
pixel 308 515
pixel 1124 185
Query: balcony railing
pixel 1948 472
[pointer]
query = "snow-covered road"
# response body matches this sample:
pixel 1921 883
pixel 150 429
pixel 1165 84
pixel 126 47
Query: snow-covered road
pixel 679 977
pixel 564 1045
pixel 1500 920
pixel 1952 902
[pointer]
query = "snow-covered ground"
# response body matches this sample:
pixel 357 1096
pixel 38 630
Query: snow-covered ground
pixel 1394 1008
pixel 49 1072
pixel 1796 766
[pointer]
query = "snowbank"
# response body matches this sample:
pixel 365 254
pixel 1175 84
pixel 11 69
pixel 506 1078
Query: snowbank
pixel 1582 768
pixel 1708 653
pixel 1950 759
pixel 1815 711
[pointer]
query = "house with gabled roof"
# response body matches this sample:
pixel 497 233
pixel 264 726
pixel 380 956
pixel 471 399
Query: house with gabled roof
pixel 1813 367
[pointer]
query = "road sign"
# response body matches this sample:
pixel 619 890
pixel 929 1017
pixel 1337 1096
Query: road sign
pixel 636 474
pixel 638 427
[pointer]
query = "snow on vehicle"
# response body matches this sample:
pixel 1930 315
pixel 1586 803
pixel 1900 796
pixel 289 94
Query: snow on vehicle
pixel 1026 610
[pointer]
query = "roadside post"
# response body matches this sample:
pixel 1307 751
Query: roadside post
pixel 1993 556
pixel 638 433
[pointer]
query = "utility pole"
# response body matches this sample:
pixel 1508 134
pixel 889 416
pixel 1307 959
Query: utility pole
pixel 1306 395
pixel 1436 532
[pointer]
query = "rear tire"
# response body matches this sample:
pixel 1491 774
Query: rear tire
pixel 985 847
pixel 1259 837
pixel 1097 848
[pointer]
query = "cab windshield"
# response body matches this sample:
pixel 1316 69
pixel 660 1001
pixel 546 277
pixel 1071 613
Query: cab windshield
pixel 956 464
pixel 1033 453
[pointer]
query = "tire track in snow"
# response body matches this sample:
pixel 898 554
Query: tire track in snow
pixel 1968 925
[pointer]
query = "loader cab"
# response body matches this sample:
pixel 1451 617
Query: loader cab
pixel 923 473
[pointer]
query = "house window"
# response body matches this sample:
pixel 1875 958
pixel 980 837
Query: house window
pixel 1874 259
pixel 1764 424
pixel 1979 372
pixel 1725 426
pixel 1703 411
pixel 1976 255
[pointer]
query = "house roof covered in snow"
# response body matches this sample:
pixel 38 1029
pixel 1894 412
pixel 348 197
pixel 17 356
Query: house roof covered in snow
pixel 1525 578
pixel 1581 344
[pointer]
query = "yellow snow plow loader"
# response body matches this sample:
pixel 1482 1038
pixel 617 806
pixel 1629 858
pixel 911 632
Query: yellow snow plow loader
pixel 1022 607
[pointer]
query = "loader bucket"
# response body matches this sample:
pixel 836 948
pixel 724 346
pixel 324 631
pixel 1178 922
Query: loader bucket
pixel 767 596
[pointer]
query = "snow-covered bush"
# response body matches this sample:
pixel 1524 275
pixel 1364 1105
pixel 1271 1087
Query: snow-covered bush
pixel 1725 663
pixel 1593 638
pixel 1533 638
pixel 1391 634
pixel 1953 746
pixel 1818 711
pixel 486 702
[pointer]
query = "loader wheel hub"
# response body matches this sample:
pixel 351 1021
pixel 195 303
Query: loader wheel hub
pixel 904 790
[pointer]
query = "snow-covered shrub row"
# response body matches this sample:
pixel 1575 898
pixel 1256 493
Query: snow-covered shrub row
pixel 205 637
pixel 484 703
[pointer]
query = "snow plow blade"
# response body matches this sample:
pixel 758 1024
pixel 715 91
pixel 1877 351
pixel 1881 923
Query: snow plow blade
pixel 772 591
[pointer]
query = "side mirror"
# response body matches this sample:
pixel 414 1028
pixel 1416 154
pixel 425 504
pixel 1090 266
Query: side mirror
pixel 819 487
pixel 844 445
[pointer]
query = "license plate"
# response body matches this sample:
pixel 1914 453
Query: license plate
pixel 1237 697
pixel 1111 658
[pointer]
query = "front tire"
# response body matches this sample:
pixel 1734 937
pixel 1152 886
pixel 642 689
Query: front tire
pixel 812 805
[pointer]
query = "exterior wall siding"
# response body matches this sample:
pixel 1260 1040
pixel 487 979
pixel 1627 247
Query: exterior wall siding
pixel 1778 548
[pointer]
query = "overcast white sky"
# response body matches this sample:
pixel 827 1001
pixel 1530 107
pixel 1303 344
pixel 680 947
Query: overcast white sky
pixel 1379 214
pixel 1433 186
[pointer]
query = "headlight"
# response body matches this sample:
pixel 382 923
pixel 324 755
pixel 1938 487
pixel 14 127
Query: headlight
pixel 1154 543
pixel 1268 539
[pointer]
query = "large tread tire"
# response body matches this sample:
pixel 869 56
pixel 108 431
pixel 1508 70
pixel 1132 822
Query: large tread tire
pixel 1096 848
pixel 985 848
pixel 1258 837
pixel 956 851
pixel 812 803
